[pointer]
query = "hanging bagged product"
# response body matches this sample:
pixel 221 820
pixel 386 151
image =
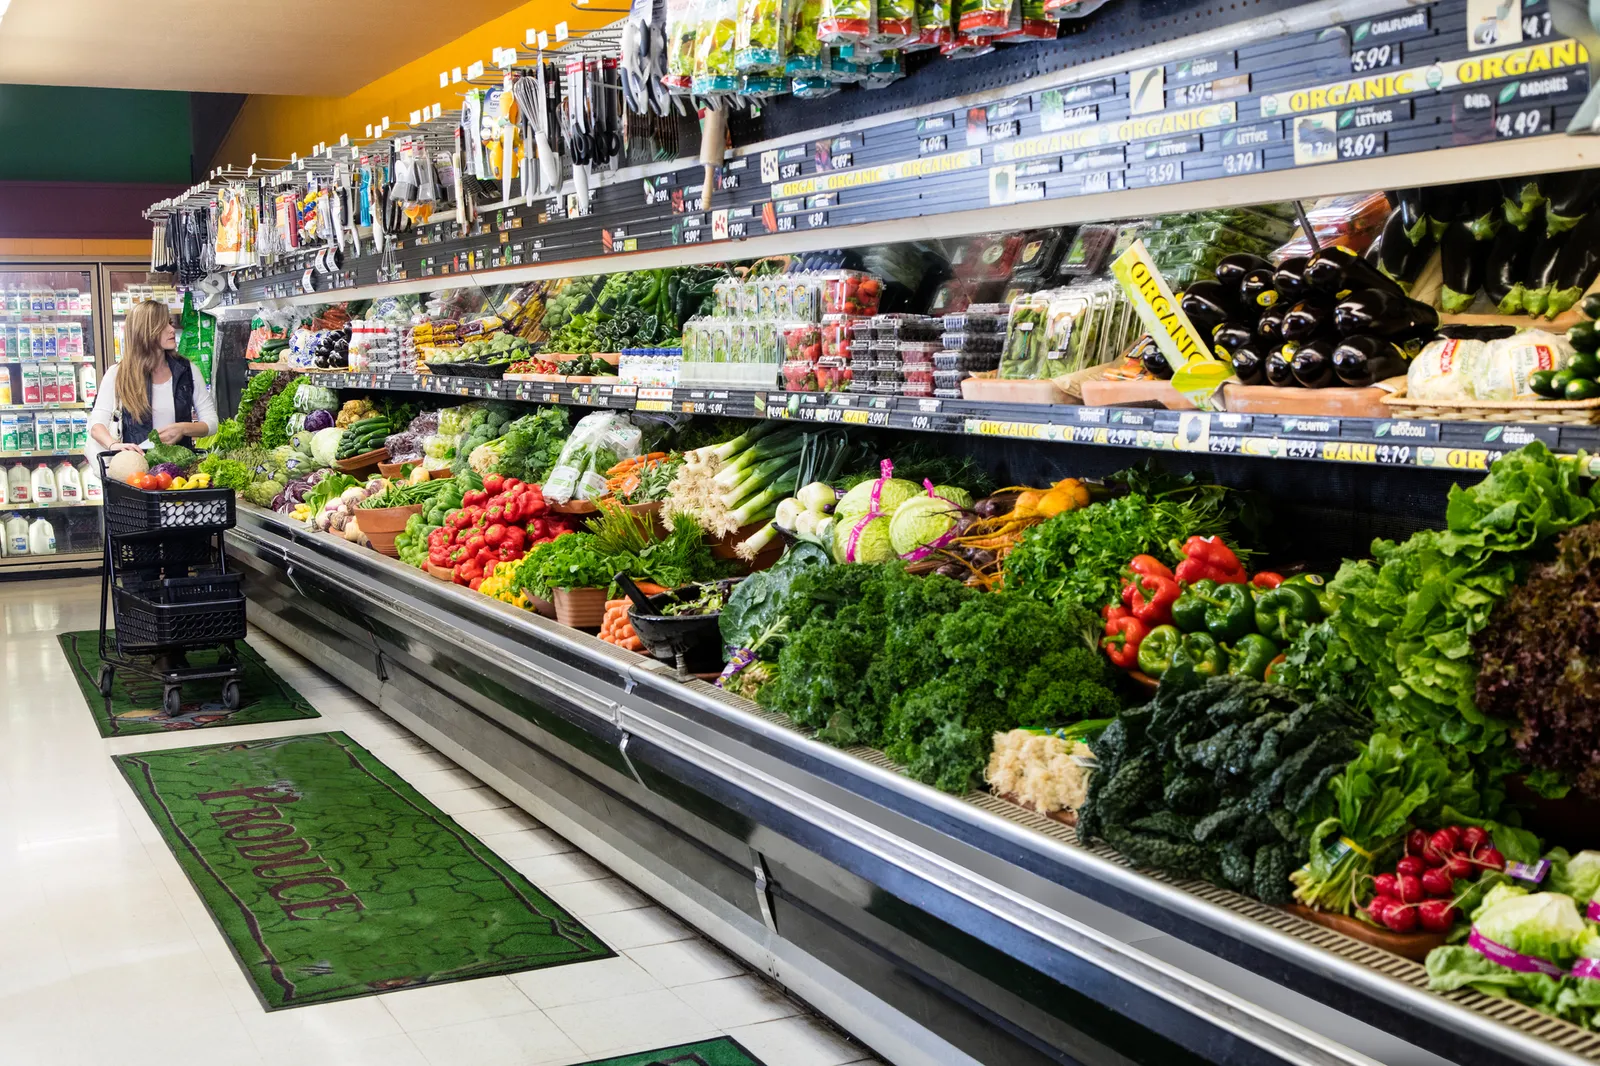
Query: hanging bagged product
pixel 683 24
pixel 198 337
pixel 935 22
pixel 843 21
pixel 759 41
pixel 714 70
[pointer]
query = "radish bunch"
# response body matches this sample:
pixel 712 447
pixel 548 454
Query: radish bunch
pixel 1421 890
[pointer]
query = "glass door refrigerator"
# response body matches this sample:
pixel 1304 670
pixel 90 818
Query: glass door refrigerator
pixel 50 363
pixel 125 286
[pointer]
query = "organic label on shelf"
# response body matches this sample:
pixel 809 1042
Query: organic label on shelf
pixel 1456 458
pixel 907 169
pixel 1198 372
pixel 1133 129
pixel 1447 74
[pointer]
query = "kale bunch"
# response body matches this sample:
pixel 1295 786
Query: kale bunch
pixel 1211 779
pixel 1540 665
pixel 929 670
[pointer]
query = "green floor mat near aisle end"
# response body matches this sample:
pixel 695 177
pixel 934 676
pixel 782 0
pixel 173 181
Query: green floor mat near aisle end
pixel 723 1051
pixel 333 878
pixel 135 705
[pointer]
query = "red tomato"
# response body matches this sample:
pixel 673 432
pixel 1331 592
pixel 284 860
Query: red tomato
pixel 163 480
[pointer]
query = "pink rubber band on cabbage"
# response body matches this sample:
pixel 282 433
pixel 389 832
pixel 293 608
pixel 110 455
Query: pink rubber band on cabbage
pixel 874 510
pixel 1511 960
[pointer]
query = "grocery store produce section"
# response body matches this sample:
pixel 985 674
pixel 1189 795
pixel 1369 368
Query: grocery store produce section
pixel 1091 562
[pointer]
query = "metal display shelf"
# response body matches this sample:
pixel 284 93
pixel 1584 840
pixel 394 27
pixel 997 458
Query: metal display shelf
pixel 1311 100
pixel 938 929
pixel 1396 442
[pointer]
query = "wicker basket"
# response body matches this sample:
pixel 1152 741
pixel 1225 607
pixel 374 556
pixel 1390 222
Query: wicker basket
pixel 1539 412
pixel 363 464
pixel 581 608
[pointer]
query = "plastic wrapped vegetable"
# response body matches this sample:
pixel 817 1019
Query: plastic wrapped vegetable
pixel 935 24
pixel 715 46
pixel 318 420
pixel 759 40
pixel 844 20
pixel 598 442
pixel 682 30
pixel 805 48
pixel 985 18
pixel 1026 337
pixel 896 23
pixel 405 447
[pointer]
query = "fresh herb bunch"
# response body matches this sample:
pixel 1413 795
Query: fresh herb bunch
pixel 253 414
pixel 682 557
pixel 1210 780
pixel 1081 555
pixel 532 444
pixel 1539 654
pixel 571 561
pixel 227 473
pixel 929 669
pixel 1320 660
pixel 1410 614
pixel 229 435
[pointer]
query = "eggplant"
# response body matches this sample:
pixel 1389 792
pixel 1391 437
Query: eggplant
pixel 1278 370
pixel 1487 211
pixel 1249 367
pixel 1568 197
pixel 1465 261
pixel 1269 327
pixel 1386 314
pixel 1231 269
pixel 1519 198
pixel 1339 272
pixel 1399 258
pixel 1438 209
pixel 1312 364
pixel 1408 202
pixel 1576 266
pixel 1363 360
pixel 1208 303
pixel 1505 273
pixel 1542 271
pixel 1288 278
pixel 1306 319
pixel 1255 289
pixel 1155 362
pixel 1231 336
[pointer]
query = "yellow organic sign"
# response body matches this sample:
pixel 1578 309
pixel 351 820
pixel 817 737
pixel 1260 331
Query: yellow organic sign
pixel 1196 371
pixel 1130 129
pixel 851 179
pixel 1450 74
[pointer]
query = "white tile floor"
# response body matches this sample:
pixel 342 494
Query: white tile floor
pixel 107 955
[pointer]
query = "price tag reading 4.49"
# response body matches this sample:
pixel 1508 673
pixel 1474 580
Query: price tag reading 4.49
pixel 1524 123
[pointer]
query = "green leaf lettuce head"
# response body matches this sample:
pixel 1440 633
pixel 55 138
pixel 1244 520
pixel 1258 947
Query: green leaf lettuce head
pixel 1410 613
pixel 1577 875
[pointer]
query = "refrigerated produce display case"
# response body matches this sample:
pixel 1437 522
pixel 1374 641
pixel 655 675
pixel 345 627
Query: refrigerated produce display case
pixel 50 351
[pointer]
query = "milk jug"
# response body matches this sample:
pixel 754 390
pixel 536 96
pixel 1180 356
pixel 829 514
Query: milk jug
pixel 86 385
pixel 41 537
pixel 89 484
pixel 16 535
pixel 44 485
pixel 68 489
pixel 17 484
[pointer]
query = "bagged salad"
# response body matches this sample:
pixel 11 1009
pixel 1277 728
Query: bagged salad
pixel 598 442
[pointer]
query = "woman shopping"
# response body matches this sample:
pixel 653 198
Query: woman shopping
pixel 151 389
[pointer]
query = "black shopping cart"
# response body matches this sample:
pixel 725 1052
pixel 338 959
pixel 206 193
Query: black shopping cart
pixel 168 590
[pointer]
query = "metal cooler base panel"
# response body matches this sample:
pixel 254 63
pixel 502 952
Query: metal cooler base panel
pixel 936 930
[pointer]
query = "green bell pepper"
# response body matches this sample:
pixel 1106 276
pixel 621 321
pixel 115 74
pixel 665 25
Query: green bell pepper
pixel 1202 652
pixel 1282 613
pixel 1189 609
pixel 1156 651
pixel 1327 599
pixel 1250 656
pixel 1229 612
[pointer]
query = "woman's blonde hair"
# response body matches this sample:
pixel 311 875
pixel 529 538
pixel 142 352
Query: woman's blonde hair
pixel 141 354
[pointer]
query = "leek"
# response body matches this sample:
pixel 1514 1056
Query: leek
pixel 757 541
pixel 762 451
pixel 764 504
pixel 756 479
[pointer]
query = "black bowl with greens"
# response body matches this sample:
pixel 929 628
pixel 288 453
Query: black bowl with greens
pixel 685 622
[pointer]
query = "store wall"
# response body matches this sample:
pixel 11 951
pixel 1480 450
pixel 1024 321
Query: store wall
pixel 273 127
pixel 78 165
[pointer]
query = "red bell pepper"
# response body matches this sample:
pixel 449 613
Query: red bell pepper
pixel 474 498
pixel 494 535
pixel 516 537
pixel 1149 564
pixel 512 483
pixel 1216 558
pixel 460 519
pixel 494 484
pixel 1122 644
pixel 1153 597
pixel 1127 595
pixel 1266 579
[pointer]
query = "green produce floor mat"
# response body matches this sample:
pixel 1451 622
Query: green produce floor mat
pixel 135 703
pixel 723 1051
pixel 332 878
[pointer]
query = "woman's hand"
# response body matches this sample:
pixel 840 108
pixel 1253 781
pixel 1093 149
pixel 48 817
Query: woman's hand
pixel 121 447
pixel 171 434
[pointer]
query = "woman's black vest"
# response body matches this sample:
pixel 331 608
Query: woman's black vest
pixel 137 431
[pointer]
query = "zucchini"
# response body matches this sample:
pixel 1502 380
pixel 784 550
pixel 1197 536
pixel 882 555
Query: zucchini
pixel 366 424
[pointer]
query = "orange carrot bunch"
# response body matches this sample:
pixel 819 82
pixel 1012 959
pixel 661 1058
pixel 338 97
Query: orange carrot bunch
pixel 616 629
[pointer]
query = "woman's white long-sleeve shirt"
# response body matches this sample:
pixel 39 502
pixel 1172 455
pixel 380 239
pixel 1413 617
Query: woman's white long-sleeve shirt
pixel 107 409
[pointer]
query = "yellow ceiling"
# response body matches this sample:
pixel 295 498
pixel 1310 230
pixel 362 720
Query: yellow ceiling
pixel 298 47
